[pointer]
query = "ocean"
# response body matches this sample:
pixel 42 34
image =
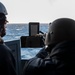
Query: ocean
pixel 15 31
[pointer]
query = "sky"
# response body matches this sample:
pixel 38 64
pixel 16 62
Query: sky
pixel 43 11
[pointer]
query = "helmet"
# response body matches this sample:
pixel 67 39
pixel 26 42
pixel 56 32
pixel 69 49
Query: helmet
pixel 3 9
pixel 61 29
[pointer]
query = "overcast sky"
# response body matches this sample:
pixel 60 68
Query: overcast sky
pixel 44 11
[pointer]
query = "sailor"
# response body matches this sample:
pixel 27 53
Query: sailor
pixel 7 60
pixel 61 51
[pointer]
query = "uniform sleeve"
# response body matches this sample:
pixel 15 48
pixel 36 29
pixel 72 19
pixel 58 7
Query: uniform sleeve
pixel 38 66
pixel 7 61
pixel 42 53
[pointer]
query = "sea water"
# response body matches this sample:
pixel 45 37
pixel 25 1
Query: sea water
pixel 15 31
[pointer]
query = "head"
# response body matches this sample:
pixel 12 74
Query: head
pixel 62 29
pixel 3 20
